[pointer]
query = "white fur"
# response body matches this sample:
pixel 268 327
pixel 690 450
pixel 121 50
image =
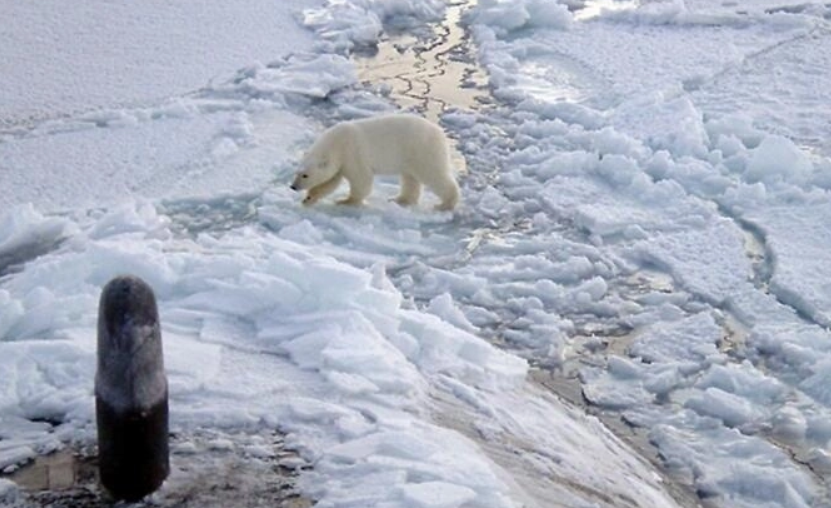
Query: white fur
pixel 356 151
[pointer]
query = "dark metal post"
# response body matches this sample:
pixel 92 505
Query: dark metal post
pixel 131 391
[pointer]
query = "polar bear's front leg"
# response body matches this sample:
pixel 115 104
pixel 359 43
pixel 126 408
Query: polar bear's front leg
pixel 359 188
pixel 324 189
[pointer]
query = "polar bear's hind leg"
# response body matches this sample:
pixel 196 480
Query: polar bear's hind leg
pixel 448 192
pixel 410 191
pixel 439 177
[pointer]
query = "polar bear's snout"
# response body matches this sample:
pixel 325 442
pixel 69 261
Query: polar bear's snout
pixel 301 182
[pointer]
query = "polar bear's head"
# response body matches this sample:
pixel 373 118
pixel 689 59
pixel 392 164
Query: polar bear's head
pixel 320 164
pixel 314 172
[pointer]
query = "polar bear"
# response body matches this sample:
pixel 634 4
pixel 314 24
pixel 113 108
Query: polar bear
pixel 396 144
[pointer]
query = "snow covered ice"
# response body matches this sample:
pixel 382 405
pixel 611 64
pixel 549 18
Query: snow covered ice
pixel 631 306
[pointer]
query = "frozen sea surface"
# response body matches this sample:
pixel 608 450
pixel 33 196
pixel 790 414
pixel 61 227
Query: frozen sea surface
pixel 644 221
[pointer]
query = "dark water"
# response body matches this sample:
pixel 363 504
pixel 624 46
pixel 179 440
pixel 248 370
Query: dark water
pixel 209 469
pixel 12 260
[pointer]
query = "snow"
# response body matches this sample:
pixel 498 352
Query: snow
pixel 142 56
pixel 778 158
pixel 644 220
pixel 8 491
pixel 508 16
pixel 344 26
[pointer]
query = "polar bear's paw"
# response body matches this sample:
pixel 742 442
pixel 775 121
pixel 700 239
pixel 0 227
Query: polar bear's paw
pixel 404 201
pixel 350 201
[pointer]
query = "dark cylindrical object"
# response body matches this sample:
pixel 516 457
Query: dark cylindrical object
pixel 131 391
